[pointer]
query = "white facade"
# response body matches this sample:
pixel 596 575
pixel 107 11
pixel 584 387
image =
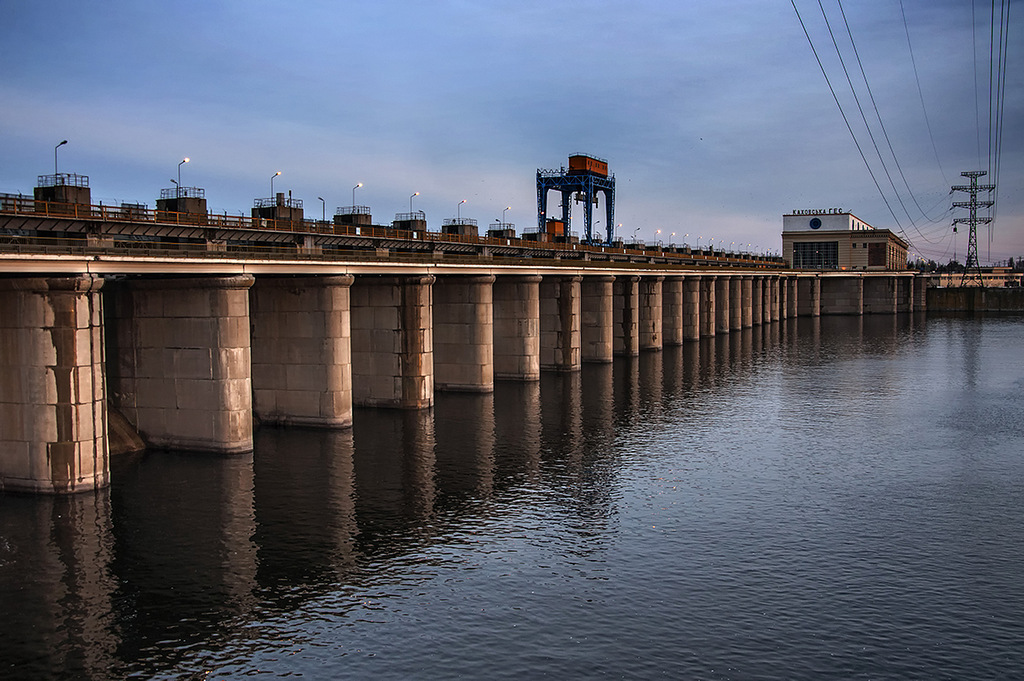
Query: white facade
pixel 827 220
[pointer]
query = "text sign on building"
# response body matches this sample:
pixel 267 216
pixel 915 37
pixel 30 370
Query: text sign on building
pixel 819 211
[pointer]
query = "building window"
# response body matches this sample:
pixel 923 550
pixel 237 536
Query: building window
pixel 816 255
pixel 877 255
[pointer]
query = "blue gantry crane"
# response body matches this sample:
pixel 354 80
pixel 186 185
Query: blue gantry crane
pixel 587 175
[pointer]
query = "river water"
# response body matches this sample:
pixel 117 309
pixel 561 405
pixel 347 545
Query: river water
pixel 815 499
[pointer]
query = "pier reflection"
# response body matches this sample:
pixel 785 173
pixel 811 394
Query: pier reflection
pixel 464 426
pixel 57 586
pixel 517 429
pixel 183 529
pixel 305 511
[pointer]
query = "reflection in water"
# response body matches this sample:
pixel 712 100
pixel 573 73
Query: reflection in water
pixel 57 586
pixel 305 511
pixel 185 560
pixel 464 423
pixel 394 474
pixel 675 513
pixel 517 428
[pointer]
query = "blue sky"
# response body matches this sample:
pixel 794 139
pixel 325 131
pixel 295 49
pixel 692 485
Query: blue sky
pixel 714 117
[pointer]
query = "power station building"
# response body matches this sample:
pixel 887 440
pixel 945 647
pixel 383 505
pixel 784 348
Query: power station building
pixel 832 239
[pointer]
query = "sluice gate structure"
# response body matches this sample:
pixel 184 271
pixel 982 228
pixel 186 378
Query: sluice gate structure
pixel 193 338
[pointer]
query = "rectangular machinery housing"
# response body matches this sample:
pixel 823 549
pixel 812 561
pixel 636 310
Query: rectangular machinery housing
pixel 580 163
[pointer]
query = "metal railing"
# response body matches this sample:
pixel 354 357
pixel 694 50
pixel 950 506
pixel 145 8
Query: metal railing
pixel 139 213
pixel 62 180
pixel 183 193
pixel 352 210
pixel 274 202
pixel 448 222
pixel 415 215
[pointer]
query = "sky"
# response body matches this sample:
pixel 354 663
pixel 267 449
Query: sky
pixel 714 117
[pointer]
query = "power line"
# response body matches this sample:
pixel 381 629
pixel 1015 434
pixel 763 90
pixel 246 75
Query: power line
pixel 920 94
pixel 864 119
pixel 843 114
pixel 885 133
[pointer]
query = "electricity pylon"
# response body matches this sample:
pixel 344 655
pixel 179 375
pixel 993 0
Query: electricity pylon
pixel 972 222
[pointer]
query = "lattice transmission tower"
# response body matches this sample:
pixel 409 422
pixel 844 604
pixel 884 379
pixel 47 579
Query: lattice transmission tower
pixel 972 268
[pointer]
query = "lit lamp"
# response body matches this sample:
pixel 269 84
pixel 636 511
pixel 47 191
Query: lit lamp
pixel 272 183
pixel 458 209
pixel 410 202
pixel 354 194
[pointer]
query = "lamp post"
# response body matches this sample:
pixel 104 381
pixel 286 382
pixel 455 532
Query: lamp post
pixel 410 203
pixel 272 183
pixel 354 195
pixel 323 206
pixel 61 144
pixel 177 185
pixel 458 209
pixel 503 216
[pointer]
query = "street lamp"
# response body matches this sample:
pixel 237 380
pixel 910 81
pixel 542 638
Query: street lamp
pixel 272 183
pixel 410 201
pixel 177 185
pixel 354 194
pixel 458 209
pixel 323 206
pixel 503 215
pixel 55 155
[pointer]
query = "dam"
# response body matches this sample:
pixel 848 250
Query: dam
pixel 193 328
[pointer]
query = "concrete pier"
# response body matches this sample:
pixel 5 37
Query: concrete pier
pixel 708 309
pixel 809 296
pixel 722 299
pixel 651 313
pixel 757 301
pixel 774 308
pixel 920 293
pixel 627 315
pixel 182 370
pixel 746 317
pixel 737 309
pixel 463 323
pixel 691 307
pixel 560 323
pixel 302 350
pixel 53 418
pixel 790 297
pixel 392 342
pixel 598 315
pixel 516 301
pixel 672 311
